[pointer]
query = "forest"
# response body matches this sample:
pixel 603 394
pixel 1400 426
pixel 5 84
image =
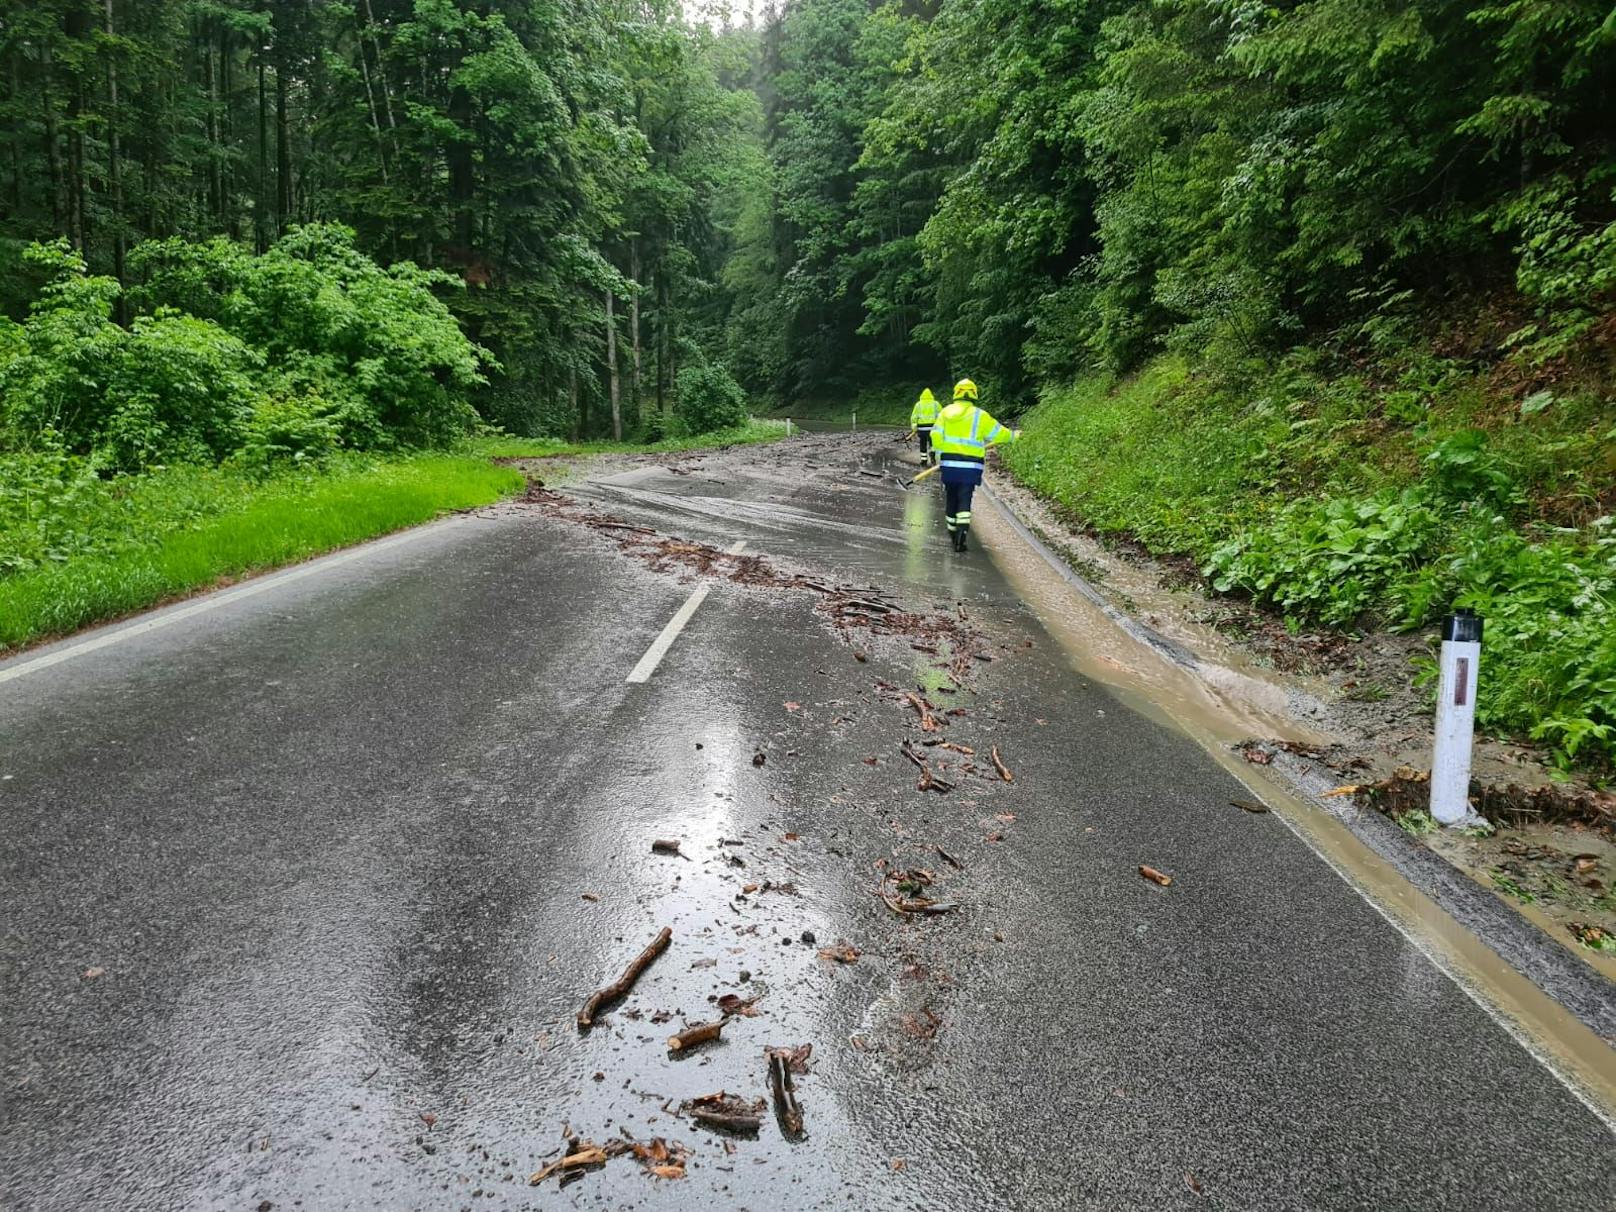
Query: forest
pixel 1319 294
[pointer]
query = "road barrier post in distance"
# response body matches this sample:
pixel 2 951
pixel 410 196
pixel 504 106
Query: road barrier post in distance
pixel 788 427
pixel 1455 719
pixel 855 422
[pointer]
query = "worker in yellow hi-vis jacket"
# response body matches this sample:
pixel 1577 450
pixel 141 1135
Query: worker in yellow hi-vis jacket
pixel 961 438
pixel 921 418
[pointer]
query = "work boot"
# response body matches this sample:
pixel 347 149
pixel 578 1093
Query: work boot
pixel 959 538
pixel 954 540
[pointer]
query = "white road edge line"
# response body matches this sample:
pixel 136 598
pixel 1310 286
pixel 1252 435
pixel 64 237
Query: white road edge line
pixel 211 602
pixel 642 672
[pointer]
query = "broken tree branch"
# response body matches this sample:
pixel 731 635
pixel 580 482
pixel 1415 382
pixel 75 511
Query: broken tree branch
pixel 998 764
pixel 618 988
pixel 691 1037
pixel 928 721
pixel 592 1156
pixel 786 1108
pixel 1155 877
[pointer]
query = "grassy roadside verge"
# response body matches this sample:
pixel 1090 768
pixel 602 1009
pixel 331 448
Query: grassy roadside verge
pixel 1355 503
pixel 201 529
pixel 77 550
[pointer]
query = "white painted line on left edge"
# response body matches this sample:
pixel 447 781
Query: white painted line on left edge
pixel 211 602
pixel 659 647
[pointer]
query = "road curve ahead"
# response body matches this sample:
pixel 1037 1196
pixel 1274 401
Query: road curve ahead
pixel 303 891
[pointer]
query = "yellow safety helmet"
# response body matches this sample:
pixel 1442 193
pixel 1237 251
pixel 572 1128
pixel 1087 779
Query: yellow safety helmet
pixel 926 397
pixel 965 390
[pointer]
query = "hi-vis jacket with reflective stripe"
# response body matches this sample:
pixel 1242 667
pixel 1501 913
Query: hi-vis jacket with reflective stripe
pixel 924 412
pixel 964 432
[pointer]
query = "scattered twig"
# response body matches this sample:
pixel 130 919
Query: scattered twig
pixel 593 1155
pixel 692 1037
pixel 1154 876
pixel 998 764
pixel 950 859
pixel 1250 805
pixel 786 1108
pixel 928 721
pixel 604 997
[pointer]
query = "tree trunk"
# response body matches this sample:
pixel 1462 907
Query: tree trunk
pixel 261 203
pixel 53 150
pixel 572 402
pixel 381 78
pixel 611 367
pixel 370 98
pixel 634 325
pixel 115 165
pixel 211 126
pixel 462 170
pixel 283 139
pixel 663 402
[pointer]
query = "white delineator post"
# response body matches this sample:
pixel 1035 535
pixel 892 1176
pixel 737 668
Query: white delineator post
pixel 788 427
pixel 855 422
pixel 1455 718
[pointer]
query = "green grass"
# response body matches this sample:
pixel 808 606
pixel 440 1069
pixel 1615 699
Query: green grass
pixel 223 526
pixel 506 446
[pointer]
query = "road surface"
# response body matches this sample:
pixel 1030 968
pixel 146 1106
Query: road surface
pixel 304 887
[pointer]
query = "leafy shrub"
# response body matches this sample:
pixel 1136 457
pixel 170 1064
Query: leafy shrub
pixel 169 388
pixel 288 431
pixel 1549 654
pixel 1464 469
pixel 1329 561
pixel 181 390
pixel 377 345
pixel 709 399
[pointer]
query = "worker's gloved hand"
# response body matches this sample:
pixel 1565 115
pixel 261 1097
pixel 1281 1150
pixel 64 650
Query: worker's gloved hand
pixel 1015 435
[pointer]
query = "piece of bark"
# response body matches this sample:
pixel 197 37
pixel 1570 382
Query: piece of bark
pixel 727 1112
pixel 592 1156
pixel 618 988
pixel 786 1108
pixel 746 1125
pixel 998 764
pixel 1154 876
pixel 1250 805
pixel 842 952
pixel 665 845
pixel 949 859
pixel 692 1037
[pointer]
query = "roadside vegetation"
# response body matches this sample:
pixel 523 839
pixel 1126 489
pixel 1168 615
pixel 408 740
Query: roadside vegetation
pixel 1339 501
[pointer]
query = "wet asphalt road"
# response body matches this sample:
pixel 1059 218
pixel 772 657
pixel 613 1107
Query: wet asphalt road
pixel 328 846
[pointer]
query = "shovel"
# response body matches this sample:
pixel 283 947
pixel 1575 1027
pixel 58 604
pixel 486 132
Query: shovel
pixel 932 470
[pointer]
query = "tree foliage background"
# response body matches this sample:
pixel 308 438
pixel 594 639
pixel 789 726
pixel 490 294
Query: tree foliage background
pixel 566 174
